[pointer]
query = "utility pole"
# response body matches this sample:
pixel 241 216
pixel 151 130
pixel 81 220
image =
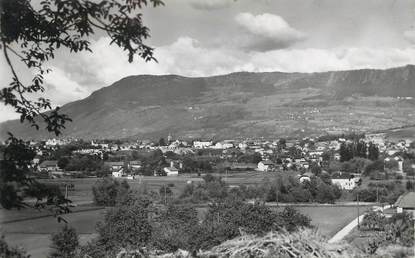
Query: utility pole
pixel 276 196
pixel 377 193
pixel 165 195
pixel 358 212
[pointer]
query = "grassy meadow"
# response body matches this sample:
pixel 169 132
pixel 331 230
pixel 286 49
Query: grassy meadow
pixel 31 229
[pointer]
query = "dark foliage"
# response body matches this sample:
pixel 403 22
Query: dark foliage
pixel 382 192
pixel 64 243
pixel 128 225
pixel 32 36
pixel 16 182
pixel 11 252
pixel 398 229
pixel 175 228
pixel 107 191
pixel 374 220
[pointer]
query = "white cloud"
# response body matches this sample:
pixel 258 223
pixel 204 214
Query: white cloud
pixel 61 88
pixel 210 4
pixel 187 57
pixel 268 31
pixel 409 35
pixel 7 113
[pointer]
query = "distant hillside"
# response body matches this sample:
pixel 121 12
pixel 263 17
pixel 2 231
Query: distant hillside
pixel 241 105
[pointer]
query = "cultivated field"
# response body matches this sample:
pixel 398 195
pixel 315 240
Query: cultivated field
pixel 82 193
pixel 31 229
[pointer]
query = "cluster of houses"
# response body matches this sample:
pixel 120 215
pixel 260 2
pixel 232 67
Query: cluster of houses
pixel 292 154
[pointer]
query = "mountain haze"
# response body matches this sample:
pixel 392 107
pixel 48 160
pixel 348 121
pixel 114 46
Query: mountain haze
pixel 241 105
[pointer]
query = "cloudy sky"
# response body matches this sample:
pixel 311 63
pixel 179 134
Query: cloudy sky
pixel 209 37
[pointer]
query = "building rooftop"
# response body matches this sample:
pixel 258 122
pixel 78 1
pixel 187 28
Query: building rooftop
pixel 48 163
pixel 406 200
pixel 114 163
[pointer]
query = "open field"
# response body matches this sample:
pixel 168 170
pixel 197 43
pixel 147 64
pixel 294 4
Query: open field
pixel 34 234
pixel 329 220
pixel 31 229
pixel 83 193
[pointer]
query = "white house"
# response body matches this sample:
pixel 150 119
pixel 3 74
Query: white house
pixel 223 145
pixel 119 173
pixel 345 181
pixel 49 166
pixel 202 144
pixel 114 166
pixel 135 164
pixel 171 171
pixel 265 165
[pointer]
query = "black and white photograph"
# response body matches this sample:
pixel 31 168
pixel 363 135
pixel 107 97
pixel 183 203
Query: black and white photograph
pixel 207 128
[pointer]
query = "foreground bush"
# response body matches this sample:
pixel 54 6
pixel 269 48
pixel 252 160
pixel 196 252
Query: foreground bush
pixel 304 243
pixel 11 252
pixel 128 225
pixel 64 243
pixel 233 217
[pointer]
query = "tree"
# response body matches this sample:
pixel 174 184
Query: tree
pixel 64 243
pixel 315 169
pixel 15 172
pixel 175 228
pixel 125 226
pixel 374 220
pixel 292 219
pixel 108 191
pixel 345 152
pixel 63 162
pixel 32 35
pixel 282 143
pixel 162 142
pixel 407 167
pixel 373 152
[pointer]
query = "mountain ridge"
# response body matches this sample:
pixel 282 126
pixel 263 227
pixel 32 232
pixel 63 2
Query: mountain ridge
pixel 240 104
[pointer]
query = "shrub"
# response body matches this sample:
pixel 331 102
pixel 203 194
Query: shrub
pixel 11 252
pixel 125 226
pixel 64 243
pixel 400 229
pixel 175 228
pixel 293 219
pixel 373 221
pixel 233 217
pixel 108 191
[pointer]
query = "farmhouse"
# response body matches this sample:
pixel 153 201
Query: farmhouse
pixel 345 181
pixel 406 202
pixel 115 166
pixel 119 173
pixel 265 165
pixel 202 144
pixel 49 166
pixel 171 171
pixel 135 164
